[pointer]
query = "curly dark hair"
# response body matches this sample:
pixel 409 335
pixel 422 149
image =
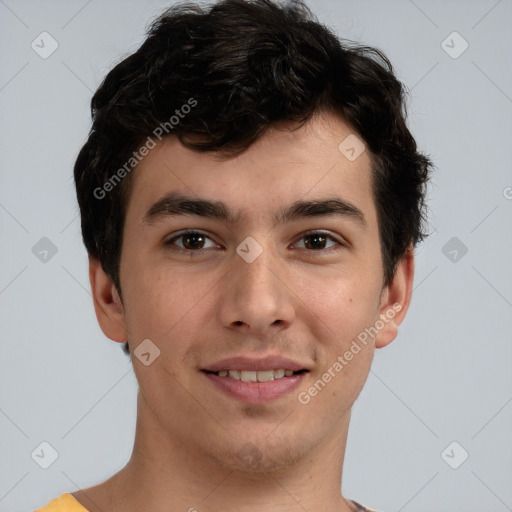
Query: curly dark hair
pixel 245 65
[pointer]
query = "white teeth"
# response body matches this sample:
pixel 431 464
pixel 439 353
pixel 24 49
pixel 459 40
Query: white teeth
pixel 265 376
pixel 247 376
pixel 255 376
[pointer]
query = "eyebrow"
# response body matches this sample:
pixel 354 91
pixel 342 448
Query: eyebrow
pixel 175 204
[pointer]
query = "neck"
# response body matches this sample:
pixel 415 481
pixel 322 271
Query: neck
pixel 164 472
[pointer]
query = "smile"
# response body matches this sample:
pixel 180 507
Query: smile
pixel 256 376
pixel 255 387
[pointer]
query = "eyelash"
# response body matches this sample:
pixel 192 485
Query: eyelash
pixel 317 252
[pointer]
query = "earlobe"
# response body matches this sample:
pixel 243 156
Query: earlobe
pixel 395 300
pixel 107 303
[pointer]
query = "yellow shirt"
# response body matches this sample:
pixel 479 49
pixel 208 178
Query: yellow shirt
pixel 64 503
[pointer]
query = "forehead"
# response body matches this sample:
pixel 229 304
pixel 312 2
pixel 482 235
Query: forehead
pixel 324 157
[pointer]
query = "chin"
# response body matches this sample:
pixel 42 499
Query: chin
pixel 263 455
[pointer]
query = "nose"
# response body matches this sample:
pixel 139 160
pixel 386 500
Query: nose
pixel 257 298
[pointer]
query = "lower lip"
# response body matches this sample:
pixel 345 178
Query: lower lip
pixel 256 392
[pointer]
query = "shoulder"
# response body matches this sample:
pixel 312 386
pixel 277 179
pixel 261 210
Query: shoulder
pixel 64 503
pixel 360 508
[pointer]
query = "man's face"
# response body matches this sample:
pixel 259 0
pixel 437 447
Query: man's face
pixel 211 296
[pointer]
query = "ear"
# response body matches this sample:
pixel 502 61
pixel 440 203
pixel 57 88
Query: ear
pixel 395 300
pixel 107 303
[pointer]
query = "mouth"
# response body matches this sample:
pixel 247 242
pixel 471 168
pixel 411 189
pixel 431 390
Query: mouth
pixel 255 381
pixel 256 376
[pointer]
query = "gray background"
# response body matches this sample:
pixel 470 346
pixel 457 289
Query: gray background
pixel 446 378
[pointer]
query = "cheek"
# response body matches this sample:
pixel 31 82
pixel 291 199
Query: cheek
pixel 340 311
pixel 344 356
pixel 343 303
pixel 165 302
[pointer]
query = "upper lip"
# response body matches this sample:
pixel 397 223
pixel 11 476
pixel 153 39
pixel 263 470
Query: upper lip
pixel 254 364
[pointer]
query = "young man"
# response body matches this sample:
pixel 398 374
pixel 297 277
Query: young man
pixel 250 198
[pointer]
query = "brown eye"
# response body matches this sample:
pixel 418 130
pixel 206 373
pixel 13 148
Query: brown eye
pixel 193 241
pixel 190 241
pixel 317 241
